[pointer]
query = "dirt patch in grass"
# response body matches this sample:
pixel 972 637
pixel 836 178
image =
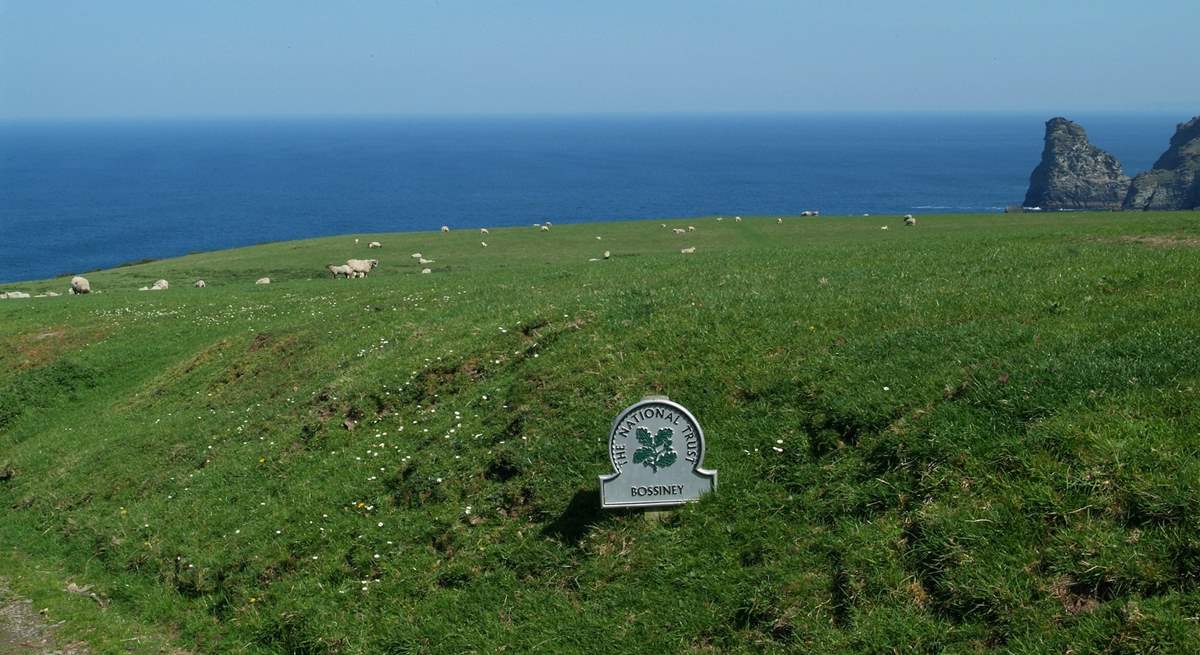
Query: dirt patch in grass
pixel 39 347
pixel 1072 602
pixel 26 631
pixel 1160 241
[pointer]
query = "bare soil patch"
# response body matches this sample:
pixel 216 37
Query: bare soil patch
pixel 25 631
pixel 1161 241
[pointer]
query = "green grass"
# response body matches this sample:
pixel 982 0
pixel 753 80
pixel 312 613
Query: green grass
pixel 989 432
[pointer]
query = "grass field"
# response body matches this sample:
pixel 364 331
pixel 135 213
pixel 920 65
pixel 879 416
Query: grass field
pixel 988 434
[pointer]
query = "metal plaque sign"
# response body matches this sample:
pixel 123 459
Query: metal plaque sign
pixel 656 448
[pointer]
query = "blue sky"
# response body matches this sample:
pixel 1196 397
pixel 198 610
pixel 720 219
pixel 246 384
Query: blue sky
pixel 121 58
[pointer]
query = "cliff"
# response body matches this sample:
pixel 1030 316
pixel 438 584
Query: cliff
pixel 1073 173
pixel 1174 182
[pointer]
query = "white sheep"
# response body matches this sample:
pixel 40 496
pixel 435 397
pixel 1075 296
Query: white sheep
pixel 340 270
pixel 80 284
pixel 417 255
pixel 199 284
pixel 909 220
pixel 13 295
pixel 607 254
pixel 160 285
pixel 779 220
pixel 599 238
pixel 426 270
pixel 691 228
pixel 445 228
pixel 425 261
pixel 484 230
pixel 546 227
pixel 263 280
pixel 737 219
pixel 720 218
pixel 883 227
pixel 483 243
pixel 362 266
pixel 689 251
pixel 678 230
pixel 374 244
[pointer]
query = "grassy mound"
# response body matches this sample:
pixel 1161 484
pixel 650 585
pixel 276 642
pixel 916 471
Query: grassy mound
pixel 977 433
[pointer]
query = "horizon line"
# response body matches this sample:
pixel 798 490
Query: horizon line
pixel 232 117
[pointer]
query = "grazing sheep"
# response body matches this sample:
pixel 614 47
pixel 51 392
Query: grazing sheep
pixel 160 285
pixel 689 251
pixel 445 228
pixel 374 244
pixel 340 270
pixel 691 228
pixel 417 255
pixel 883 227
pixel 664 224
pixel 679 230
pixel 13 295
pixel 426 270
pixel 362 266
pixel 909 220
pixel 483 243
pixel 546 227
pixel 263 280
pixel 548 223
pixel 737 219
pixel 199 284
pixel 907 216
pixel 483 230
pixel 80 284
pixel 779 220
pixel 607 254
pixel 599 238
pixel 425 261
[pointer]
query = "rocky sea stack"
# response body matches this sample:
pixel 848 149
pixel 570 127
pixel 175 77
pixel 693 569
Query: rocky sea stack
pixel 1073 173
pixel 1174 182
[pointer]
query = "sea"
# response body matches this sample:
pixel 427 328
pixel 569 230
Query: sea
pixel 83 195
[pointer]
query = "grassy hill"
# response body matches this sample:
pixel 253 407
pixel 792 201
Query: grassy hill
pixel 980 433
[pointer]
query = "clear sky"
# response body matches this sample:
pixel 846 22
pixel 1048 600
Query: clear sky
pixel 159 58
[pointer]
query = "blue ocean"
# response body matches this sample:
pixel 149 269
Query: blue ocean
pixel 87 195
